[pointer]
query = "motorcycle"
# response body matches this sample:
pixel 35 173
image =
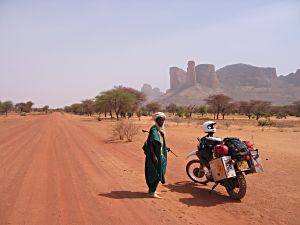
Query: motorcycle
pixel 231 160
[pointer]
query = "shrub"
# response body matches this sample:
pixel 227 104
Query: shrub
pixel 131 130
pixel 267 122
pixel 118 130
pixel 177 120
pixel 281 116
pixel 23 114
pixel 126 129
pixel 227 124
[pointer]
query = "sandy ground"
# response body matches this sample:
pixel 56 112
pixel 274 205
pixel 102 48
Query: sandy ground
pixel 62 169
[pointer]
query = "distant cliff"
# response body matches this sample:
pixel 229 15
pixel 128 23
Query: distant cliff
pixel 246 75
pixel 292 78
pixel 151 93
pixel 239 81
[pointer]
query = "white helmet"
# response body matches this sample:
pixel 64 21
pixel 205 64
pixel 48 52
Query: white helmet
pixel 208 127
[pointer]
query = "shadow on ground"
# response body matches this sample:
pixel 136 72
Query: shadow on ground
pixel 200 194
pixel 124 195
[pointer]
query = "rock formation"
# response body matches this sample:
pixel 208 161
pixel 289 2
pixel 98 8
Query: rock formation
pixel 206 75
pixel 238 81
pixel 151 93
pixel 246 75
pixel 177 78
pixel 292 78
pixel 191 74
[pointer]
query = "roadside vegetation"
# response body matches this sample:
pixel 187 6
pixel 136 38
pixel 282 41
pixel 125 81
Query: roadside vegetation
pixel 124 102
pixel 22 108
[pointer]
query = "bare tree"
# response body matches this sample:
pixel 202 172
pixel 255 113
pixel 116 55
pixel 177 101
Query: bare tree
pixel 260 108
pixel 218 104
pixel 246 108
pixel 171 108
pixel 153 107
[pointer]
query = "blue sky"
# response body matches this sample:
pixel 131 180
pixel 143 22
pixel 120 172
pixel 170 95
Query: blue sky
pixel 61 52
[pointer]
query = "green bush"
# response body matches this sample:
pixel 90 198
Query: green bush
pixel 267 122
pixel 23 114
pixel 281 116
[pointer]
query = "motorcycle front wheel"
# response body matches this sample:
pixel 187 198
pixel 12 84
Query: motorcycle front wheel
pixel 195 173
pixel 236 187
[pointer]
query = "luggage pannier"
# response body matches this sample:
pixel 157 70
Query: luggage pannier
pixel 237 148
pixel 256 161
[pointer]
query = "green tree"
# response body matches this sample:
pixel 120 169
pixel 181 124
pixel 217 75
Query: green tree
pixel 1 107
pixel 118 100
pixel 24 107
pixel 189 110
pixel 7 106
pixel 45 108
pixel 296 106
pixel 180 111
pixel 29 105
pixel 88 106
pixel 202 109
pixel 137 106
pixel 77 108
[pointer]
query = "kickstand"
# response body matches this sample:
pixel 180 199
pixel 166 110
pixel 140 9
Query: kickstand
pixel 216 184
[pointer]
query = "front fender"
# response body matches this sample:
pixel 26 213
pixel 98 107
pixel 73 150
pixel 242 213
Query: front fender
pixel 192 153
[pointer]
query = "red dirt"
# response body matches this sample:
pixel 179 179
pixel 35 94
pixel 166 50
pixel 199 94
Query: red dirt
pixel 60 169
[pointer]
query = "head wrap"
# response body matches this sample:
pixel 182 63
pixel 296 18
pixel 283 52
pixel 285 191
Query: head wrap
pixel 157 115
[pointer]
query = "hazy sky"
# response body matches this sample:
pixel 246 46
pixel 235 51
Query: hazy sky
pixel 61 52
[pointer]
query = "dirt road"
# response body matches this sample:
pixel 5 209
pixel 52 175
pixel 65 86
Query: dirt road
pixel 58 169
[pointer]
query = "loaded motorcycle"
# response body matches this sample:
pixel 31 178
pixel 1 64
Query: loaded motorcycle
pixel 230 159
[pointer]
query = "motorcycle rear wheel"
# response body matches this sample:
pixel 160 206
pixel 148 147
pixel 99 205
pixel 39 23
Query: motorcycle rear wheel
pixel 194 173
pixel 236 187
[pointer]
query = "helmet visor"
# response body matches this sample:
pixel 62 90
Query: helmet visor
pixel 210 126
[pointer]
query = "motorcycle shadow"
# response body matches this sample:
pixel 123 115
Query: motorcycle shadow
pixel 200 194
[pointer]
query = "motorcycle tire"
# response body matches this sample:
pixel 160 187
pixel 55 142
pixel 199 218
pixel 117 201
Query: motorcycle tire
pixel 193 174
pixel 236 187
